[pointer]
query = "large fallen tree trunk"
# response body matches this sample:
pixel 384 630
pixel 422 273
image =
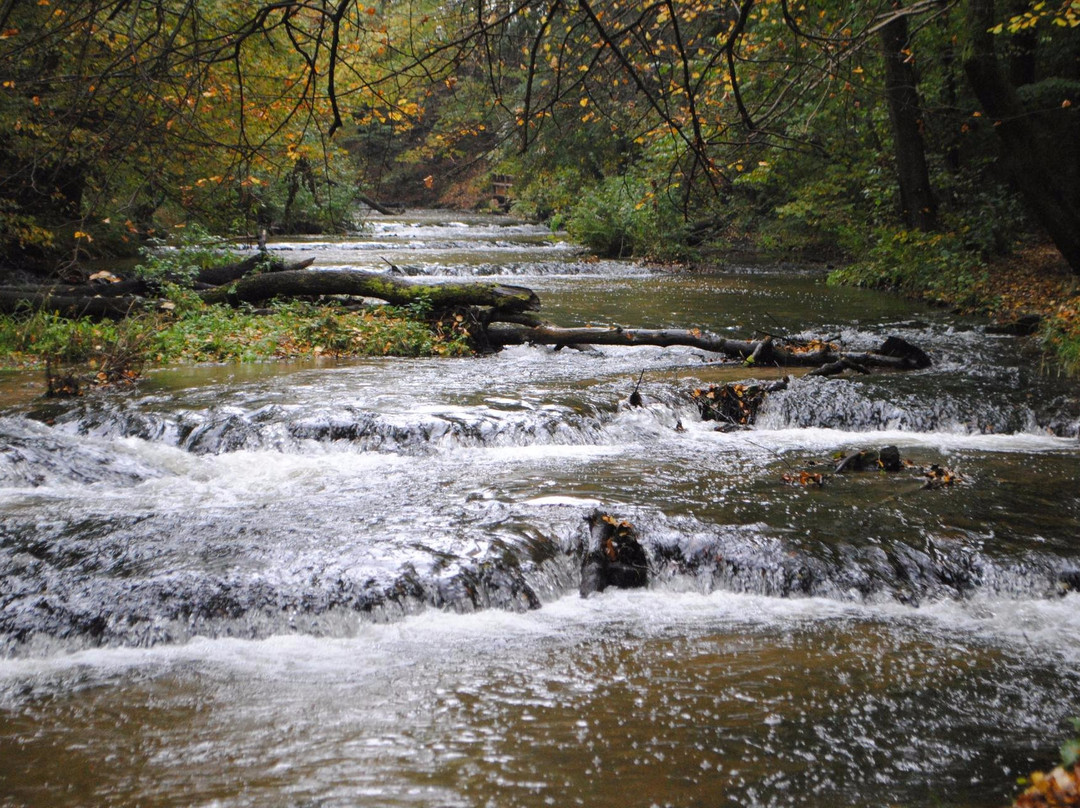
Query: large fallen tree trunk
pixel 92 306
pixel 103 300
pixel 895 353
pixel 383 286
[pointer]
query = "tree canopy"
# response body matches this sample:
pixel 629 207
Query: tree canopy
pixel 644 126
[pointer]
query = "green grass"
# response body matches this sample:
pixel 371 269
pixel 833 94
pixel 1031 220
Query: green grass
pixel 193 332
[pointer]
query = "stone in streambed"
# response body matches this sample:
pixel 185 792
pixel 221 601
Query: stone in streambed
pixel 887 458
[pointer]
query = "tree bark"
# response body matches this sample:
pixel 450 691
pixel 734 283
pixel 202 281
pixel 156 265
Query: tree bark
pixel 359 283
pixel 916 197
pixel 1031 162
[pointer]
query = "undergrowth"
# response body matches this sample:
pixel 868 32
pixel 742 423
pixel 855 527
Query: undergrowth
pixel 938 267
pixel 946 269
pixel 1061 333
pixel 107 352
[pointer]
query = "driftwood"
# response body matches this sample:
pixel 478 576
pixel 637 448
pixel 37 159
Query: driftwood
pixel 763 352
pixel 887 458
pixel 612 556
pixel 734 405
pixel 384 286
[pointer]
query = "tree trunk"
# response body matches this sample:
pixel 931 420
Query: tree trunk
pixel 1031 162
pixel 376 206
pixel 359 283
pixel 894 353
pixel 916 197
pixel 73 306
pixel 136 287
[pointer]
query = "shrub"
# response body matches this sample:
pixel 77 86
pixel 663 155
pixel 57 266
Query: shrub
pixel 935 266
pixel 179 260
pixel 624 217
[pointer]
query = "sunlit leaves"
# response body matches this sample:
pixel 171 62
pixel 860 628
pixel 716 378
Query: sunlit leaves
pixel 1067 15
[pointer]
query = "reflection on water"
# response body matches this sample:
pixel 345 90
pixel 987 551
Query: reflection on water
pixel 317 583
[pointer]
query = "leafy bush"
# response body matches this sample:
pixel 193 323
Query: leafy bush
pixel 836 209
pixel 622 217
pixel 91 352
pixel 317 194
pixel 179 260
pixel 1061 333
pixel 935 266
pixel 547 197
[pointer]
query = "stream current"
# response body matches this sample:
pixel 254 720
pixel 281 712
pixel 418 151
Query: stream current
pixel 355 583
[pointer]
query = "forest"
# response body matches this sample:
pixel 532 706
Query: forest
pixel 911 145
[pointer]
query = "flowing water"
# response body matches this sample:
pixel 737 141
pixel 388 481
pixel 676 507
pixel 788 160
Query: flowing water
pixel 356 583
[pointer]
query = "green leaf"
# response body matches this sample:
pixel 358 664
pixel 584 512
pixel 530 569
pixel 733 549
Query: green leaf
pixel 1070 752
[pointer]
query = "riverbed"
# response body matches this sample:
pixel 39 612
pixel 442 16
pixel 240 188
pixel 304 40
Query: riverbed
pixel 344 583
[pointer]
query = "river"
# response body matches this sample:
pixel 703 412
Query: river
pixel 343 583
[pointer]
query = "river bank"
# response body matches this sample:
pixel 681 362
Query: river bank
pixel 1030 291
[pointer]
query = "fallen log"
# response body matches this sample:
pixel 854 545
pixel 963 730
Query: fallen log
pixel 376 206
pixel 395 290
pixel 758 352
pixel 84 299
pixel 94 306
pixel 216 276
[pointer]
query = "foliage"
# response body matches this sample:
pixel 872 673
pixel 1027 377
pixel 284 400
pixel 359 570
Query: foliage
pixel 179 259
pixel 1060 788
pixel 1070 750
pixel 197 333
pixel 834 210
pixel 621 217
pixel 121 118
pixel 934 266
pixel 1061 333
